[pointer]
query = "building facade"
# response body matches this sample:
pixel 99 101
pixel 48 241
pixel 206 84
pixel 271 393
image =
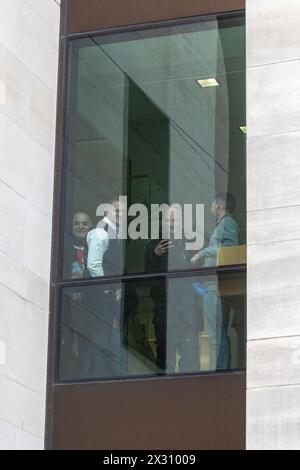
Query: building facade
pixel 163 102
pixel 29 63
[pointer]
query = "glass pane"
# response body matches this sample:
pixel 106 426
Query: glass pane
pixel 154 117
pixel 152 327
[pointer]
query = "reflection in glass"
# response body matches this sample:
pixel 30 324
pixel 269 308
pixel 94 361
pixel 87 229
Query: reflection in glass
pixel 140 125
pixel 144 127
pixel 158 326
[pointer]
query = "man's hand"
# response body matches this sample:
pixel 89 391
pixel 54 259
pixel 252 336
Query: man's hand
pixel 196 259
pixel 77 275
pixel 162 247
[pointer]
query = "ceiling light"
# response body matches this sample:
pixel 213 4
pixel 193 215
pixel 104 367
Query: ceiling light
pixel 208 82
pixel 243 129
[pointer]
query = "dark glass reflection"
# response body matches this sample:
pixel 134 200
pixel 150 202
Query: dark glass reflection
pixel 153 118
pixel 142 124
pixel 158 326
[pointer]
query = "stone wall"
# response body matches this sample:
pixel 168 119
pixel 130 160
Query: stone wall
pixel 273 178
pixel 29 38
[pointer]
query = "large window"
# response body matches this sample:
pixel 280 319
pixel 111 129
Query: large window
pixel 153 242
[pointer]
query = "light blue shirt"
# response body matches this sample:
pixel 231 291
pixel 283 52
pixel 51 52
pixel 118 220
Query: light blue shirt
pixel 226 233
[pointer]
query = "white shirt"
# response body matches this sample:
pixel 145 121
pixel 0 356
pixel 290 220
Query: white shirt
pixel 98 243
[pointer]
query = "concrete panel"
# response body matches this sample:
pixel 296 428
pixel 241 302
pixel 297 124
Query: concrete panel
pixel 273 362
pixel 27 102
pixel 21 406
pixel 30 38
pixel 13 438
pixel 7 436
pixel 273 312
pixel 37 237
pixel 273 171
pixel 12 213
pixel 273 418
pixel 273 266
pixel 274 225
pixel 29 171
pixel 13 275
pixel 28 441
pixel 273 284
pixel 28 73
pixel 49 14
pixel 38 291
pixel 273 98
pixel 273 32
pixel 24 331
pixel 24 282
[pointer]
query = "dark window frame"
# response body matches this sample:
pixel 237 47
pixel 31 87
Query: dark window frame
pixel 232 383
pixel 57 281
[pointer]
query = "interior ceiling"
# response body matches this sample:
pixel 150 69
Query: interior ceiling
pixel 165 66
pixel 170 61
pixel 185 52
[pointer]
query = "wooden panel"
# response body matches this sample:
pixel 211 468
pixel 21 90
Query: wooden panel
pixel 230 255
pixel 199 412
pixel 92 15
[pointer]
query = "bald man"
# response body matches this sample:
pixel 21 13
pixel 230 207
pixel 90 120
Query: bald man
pixel 74 353
pixel 82 224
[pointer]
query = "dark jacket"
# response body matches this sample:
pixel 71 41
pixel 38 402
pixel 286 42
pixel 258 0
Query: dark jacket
pixel 176 294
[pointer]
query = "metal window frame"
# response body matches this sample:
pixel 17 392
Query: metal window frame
pixel 56 283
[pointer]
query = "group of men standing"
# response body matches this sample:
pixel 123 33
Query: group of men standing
pixel 177 317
